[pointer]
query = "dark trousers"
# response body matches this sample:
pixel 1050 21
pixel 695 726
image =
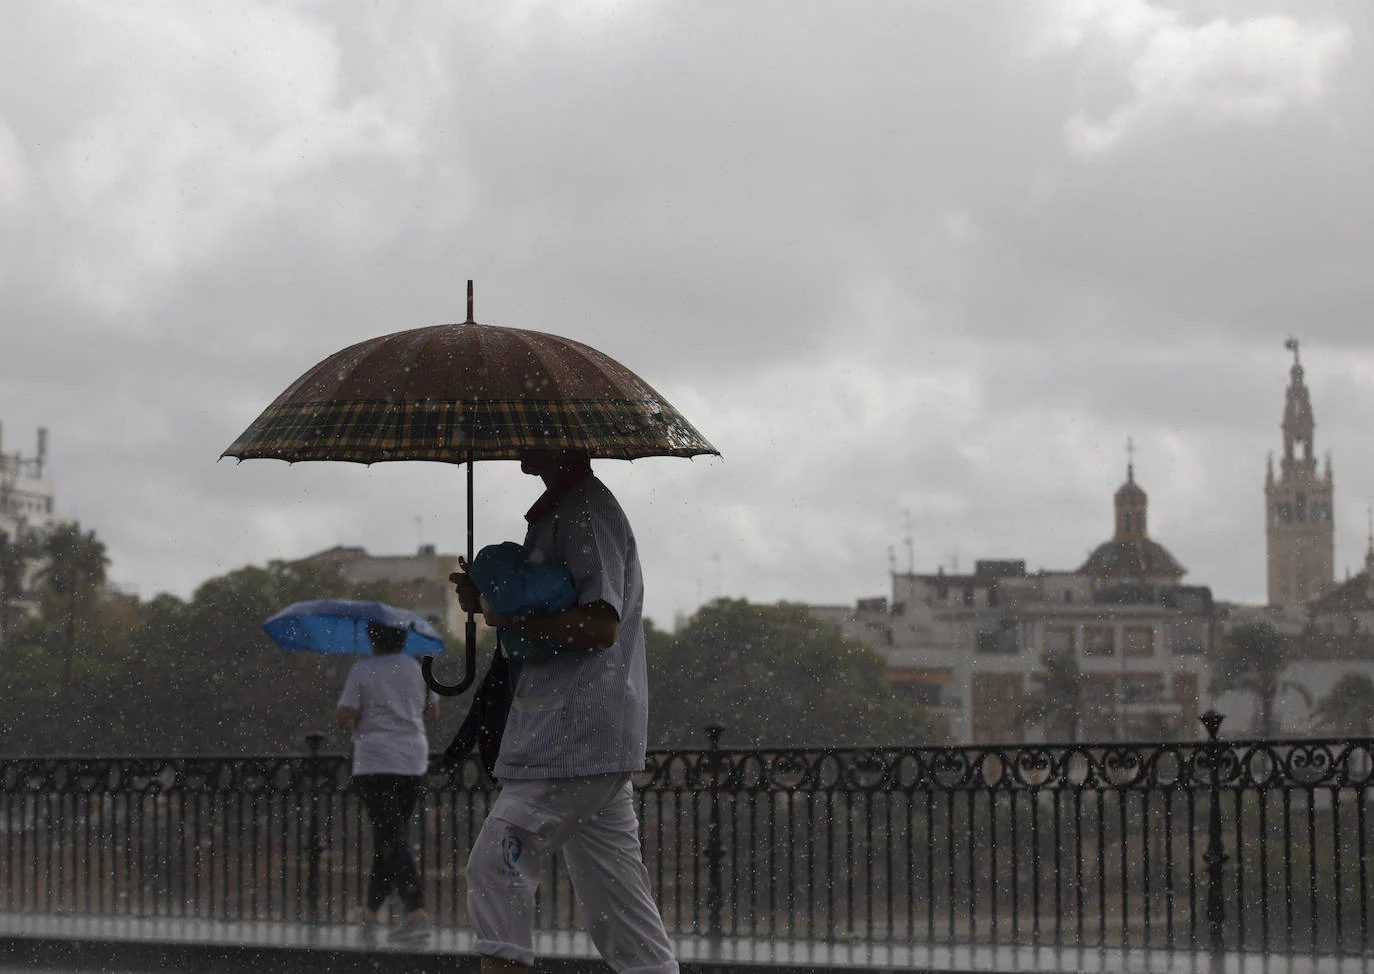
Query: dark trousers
pixel 390 800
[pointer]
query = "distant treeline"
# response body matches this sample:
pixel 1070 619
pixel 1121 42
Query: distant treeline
pixel 118 675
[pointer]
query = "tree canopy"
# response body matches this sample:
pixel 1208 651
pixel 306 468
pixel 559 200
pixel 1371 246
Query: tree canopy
pixel 200 676
pixel 1348 707
pixel 774 675
pixel 1251 657
pixel 175 676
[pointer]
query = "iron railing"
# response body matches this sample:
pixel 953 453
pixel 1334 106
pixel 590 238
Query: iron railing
pixel 1215 843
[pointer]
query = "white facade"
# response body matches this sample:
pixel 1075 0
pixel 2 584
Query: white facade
pixel 967 646
pixel 418 582
pixel 970 646
pixel 27 509
pixel 26 490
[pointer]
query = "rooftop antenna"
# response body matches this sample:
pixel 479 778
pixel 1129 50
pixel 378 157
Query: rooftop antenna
pixel 419 532
pixel 910 546
pixel 891 560
pixel 1130 459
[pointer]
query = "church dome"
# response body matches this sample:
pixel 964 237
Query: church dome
pixel 1138 560
pixel 1131 557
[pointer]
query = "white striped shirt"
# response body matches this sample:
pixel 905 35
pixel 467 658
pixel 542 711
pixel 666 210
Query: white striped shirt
pixel 584 712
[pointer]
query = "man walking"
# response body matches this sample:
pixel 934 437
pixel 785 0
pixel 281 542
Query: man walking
pixel 576 732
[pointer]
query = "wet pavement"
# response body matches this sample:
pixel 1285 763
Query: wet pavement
pixel 31 942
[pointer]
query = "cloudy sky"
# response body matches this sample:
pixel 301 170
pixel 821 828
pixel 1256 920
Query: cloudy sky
pixel 917 269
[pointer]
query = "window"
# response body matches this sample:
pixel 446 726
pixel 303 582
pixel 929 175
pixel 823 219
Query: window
pixel 1098 691
pixel 1301 506
pixel 968 595
pixel 997 641
pixel 1138 640
pixel 1145 688
pixel 925 694
pixel 1059 639
pixel 1188 637
pixel 1099 641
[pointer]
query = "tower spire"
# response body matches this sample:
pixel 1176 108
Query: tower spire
pixel 1298 424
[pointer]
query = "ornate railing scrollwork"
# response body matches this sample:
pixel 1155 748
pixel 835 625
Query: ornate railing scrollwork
pixel 1182 843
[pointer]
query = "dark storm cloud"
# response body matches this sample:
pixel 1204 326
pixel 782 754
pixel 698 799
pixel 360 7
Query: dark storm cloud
pixel 937 259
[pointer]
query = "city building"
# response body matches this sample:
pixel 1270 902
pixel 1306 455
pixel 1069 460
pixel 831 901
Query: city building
pixel 26 512
pixel 1330 637
pixel 1328 629
pixel 419 581
pixel 1300 529
pixel 971 646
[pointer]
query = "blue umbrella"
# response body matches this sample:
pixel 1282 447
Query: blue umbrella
pixel 339 626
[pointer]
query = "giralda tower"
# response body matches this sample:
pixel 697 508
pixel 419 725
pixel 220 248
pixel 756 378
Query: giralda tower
pixel 1300 531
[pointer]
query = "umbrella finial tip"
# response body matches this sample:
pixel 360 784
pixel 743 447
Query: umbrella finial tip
pixel 469 321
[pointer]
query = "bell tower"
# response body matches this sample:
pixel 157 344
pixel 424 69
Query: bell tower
pixel 1300 532
pixel 1131 504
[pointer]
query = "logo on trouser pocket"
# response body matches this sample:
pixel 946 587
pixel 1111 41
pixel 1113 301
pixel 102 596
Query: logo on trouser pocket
pixel 511 847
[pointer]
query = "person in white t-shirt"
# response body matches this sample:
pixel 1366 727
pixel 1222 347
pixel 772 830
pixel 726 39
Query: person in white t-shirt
pixel 386 706
pixel 576 732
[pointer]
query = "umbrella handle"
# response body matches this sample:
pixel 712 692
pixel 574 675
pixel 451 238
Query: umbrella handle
pixel 469 662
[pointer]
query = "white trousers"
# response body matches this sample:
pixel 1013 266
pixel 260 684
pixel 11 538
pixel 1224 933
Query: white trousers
pixel 592 820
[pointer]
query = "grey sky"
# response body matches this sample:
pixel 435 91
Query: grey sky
pixel 931 257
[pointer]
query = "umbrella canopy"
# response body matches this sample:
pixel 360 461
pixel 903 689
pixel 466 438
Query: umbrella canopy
pixel 339 626
pixel 464 392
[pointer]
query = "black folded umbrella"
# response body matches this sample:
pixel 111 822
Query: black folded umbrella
pixel 486 719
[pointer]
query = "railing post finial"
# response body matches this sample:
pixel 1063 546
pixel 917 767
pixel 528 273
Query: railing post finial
pixel 1212 721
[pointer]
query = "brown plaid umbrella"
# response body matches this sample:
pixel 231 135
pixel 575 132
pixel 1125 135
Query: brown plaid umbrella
pixel 462 393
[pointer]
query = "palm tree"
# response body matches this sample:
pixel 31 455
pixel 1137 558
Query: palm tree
pixel 1348 708
pixel 1056 698
pixel 1251 657
pixel 75 572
